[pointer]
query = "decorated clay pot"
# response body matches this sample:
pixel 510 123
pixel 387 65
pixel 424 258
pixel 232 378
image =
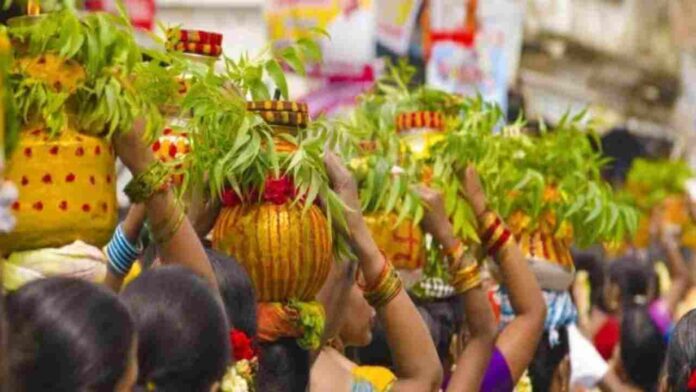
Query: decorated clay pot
pixel 675 214
pixel 402 244
pixel 67 190
pixel 546 249
pixel 285 250
pixel 286 253
pixel 171 148
pixel 419 131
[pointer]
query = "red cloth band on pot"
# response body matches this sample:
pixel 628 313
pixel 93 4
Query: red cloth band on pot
pixel 422 119
pixel 196 36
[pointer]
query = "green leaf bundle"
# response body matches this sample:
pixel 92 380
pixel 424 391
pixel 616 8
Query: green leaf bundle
pixel 106 100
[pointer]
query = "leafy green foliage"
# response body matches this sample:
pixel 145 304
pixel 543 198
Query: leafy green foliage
pixel 651 181
pixel 235 148
pixel 249 73
pixel 557 172
pixel 108 100
pixel 11 130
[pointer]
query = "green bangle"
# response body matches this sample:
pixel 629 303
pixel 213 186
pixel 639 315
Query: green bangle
pixel 147 183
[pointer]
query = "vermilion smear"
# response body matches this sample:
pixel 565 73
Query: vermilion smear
pixel 53 150
pixel 80 151
pixel 63 205
pixel 70 177
pixel 46 179
pixel 86 208
pixel 38 206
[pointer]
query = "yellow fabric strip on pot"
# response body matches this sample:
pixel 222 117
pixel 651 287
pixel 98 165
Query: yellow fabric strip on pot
pixel 286 253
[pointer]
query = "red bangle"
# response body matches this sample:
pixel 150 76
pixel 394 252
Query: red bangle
pixel 382 275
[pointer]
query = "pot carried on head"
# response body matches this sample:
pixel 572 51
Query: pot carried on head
pixel 547 250
pixel 402 244
pixel 67 190
pixel 419 131
pixel 285 250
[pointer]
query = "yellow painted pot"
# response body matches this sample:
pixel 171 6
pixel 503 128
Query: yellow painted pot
pixel 286 253
pixel 419 131
pixel 67 191
pixel 403 245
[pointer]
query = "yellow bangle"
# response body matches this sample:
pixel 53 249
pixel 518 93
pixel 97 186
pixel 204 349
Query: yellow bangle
pixel 385 290
pixel 466 278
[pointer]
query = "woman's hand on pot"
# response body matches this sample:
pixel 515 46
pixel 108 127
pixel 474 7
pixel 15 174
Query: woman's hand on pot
pixel 343 183
pixel 435 220
pixel 473 190
pixel 132 149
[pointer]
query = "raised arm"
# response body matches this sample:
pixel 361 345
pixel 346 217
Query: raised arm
pixel 122 255
pixel 518 341
pixel 678 272
pixel 472 363
pixel 417 365
pixel 176 239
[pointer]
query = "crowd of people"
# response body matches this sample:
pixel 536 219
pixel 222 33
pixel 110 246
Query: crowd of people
pixel 175 312
pixel 169 329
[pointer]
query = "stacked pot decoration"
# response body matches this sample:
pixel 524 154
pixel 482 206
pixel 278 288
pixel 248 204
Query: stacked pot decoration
pixel 74 92
pixel 66 179
pixel 198 47
pixel 286 251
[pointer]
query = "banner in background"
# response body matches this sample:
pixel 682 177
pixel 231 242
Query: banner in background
pixel 475 46
pixel 350 23
pixel 141 12
pixel 396 20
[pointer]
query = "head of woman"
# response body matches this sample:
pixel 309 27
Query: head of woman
pixel 236 290
pixel 643 348
pixel 69 335
pixel 444 318
pixel 355 317
pixel 183 335
pixel 680 365
pixel 629 280
pixel 550 367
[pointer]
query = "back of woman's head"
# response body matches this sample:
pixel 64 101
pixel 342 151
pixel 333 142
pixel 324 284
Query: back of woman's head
pixel 67 335
pixel 183 342
pixel 643 347
pixel 283 366
pixel 681 353
pixel 549 354
pixel 444 319
pixel 633 278
pixel 236 290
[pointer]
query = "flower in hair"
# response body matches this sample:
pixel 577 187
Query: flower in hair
pixel 691 385
pixel 241 345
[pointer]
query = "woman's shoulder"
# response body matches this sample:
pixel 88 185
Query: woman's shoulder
pixel 331 372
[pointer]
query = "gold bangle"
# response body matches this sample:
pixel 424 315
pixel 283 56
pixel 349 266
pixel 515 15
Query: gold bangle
pixel 147 183
pixel 466 278
pixel 170 229
pixel 385 290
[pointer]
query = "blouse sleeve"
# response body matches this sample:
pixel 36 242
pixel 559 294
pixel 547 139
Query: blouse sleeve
pixel 498 377
pixel 372 379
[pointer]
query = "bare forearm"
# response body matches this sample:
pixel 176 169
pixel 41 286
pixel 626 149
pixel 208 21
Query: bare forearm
pixel 473 362
pixel 524 292
pixel 417 365
pixel 183 247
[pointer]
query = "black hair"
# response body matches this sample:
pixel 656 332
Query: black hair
pixel 183 342
pixel 634 278
pixel 283 366
pixel 681 353
pixel 66 334
pixel 547 358
pixel 376 353
pixel 595 267
pixel 444 319
pixel 643 347
pixel 236 290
